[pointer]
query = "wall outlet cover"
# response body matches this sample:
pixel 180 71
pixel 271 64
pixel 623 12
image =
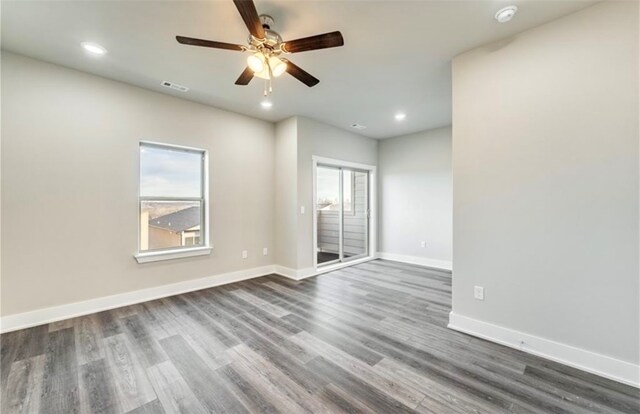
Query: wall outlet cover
pixel 478 292
pixel 265 251
pixel 245 254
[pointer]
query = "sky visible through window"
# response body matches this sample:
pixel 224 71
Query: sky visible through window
pixel 169 173
pixel 328 184
pixel 328 187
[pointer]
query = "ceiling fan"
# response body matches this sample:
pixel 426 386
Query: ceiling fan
pixel 266 46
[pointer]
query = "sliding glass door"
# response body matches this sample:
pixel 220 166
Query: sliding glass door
pixel 342 214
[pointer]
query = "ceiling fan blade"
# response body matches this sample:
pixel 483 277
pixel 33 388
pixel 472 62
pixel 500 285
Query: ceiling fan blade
pixel 245 77
pixel 300 74
pixel 323 41
pixel 250 16
pixel 208 43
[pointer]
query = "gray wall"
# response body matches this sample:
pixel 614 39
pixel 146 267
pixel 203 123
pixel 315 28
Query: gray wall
pixel 315 138
pixel 286 198
pixel 415 196
pixel 70 179
pixel 298 139
pixel 545 169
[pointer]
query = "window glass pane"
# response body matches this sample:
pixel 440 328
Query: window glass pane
pixel 166 172
pixel 192 239
pixel 328 188
pixel 328 213
pixel 169 224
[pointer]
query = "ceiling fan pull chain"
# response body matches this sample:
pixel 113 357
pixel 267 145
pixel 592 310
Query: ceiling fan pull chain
pixel 265 87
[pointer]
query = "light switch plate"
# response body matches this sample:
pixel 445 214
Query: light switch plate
pixel 265 251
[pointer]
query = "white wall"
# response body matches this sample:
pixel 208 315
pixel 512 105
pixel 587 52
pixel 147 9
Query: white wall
pixel 315 138
pixel 69 185
pixel 286 220
pixel 415 197
pixel 545 168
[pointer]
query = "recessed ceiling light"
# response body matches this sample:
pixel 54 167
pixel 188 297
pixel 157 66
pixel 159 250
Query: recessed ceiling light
pixel 400 116
pixel 266 104
pixel 93 48
pixel 505 14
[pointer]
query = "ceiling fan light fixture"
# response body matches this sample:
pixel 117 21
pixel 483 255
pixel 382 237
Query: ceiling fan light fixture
pixel 278 67
pixel 263 74
pixel 256 62
pixel 264 43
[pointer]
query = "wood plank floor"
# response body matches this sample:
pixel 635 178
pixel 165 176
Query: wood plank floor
pixel 368 338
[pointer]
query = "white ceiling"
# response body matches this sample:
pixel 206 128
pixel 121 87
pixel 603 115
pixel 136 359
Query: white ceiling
pixel 396 56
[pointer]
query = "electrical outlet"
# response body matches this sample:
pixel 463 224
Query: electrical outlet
pixel 301 209
pixel 423 244
pixel 478 292
pixel 245 254
pixel 265 251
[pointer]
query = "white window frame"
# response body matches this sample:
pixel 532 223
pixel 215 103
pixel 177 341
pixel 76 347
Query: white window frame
pixel 178 252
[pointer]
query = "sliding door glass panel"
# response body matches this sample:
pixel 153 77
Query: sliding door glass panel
pixel 355 213
pixel 328 206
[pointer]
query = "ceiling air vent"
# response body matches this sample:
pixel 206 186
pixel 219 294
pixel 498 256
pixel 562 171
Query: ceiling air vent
pixel 175 86
pixel 357 126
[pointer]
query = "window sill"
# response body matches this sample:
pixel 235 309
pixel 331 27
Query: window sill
pixel 172 254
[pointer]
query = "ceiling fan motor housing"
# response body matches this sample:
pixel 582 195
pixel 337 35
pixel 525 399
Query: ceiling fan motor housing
pixel 273 38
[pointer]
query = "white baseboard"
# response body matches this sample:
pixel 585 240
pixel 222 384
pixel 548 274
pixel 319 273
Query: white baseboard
pixel 311 271
pixel 286 272
pixel 57 313
pixel 602 365
pixel 72 310
pixel 293 273
pixel 422 261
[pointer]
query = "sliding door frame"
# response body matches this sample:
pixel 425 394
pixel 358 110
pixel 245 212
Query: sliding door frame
pixel 373 217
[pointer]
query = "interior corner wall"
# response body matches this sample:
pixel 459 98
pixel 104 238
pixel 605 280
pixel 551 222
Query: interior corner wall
pixel 545 172
pixel 415 198
pixel 70 185
pixel 286 197
pixel 318 139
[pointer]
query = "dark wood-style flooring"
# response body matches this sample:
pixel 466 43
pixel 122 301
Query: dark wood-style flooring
pixel 368 338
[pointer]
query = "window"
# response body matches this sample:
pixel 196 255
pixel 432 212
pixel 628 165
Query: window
pixel 172 201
